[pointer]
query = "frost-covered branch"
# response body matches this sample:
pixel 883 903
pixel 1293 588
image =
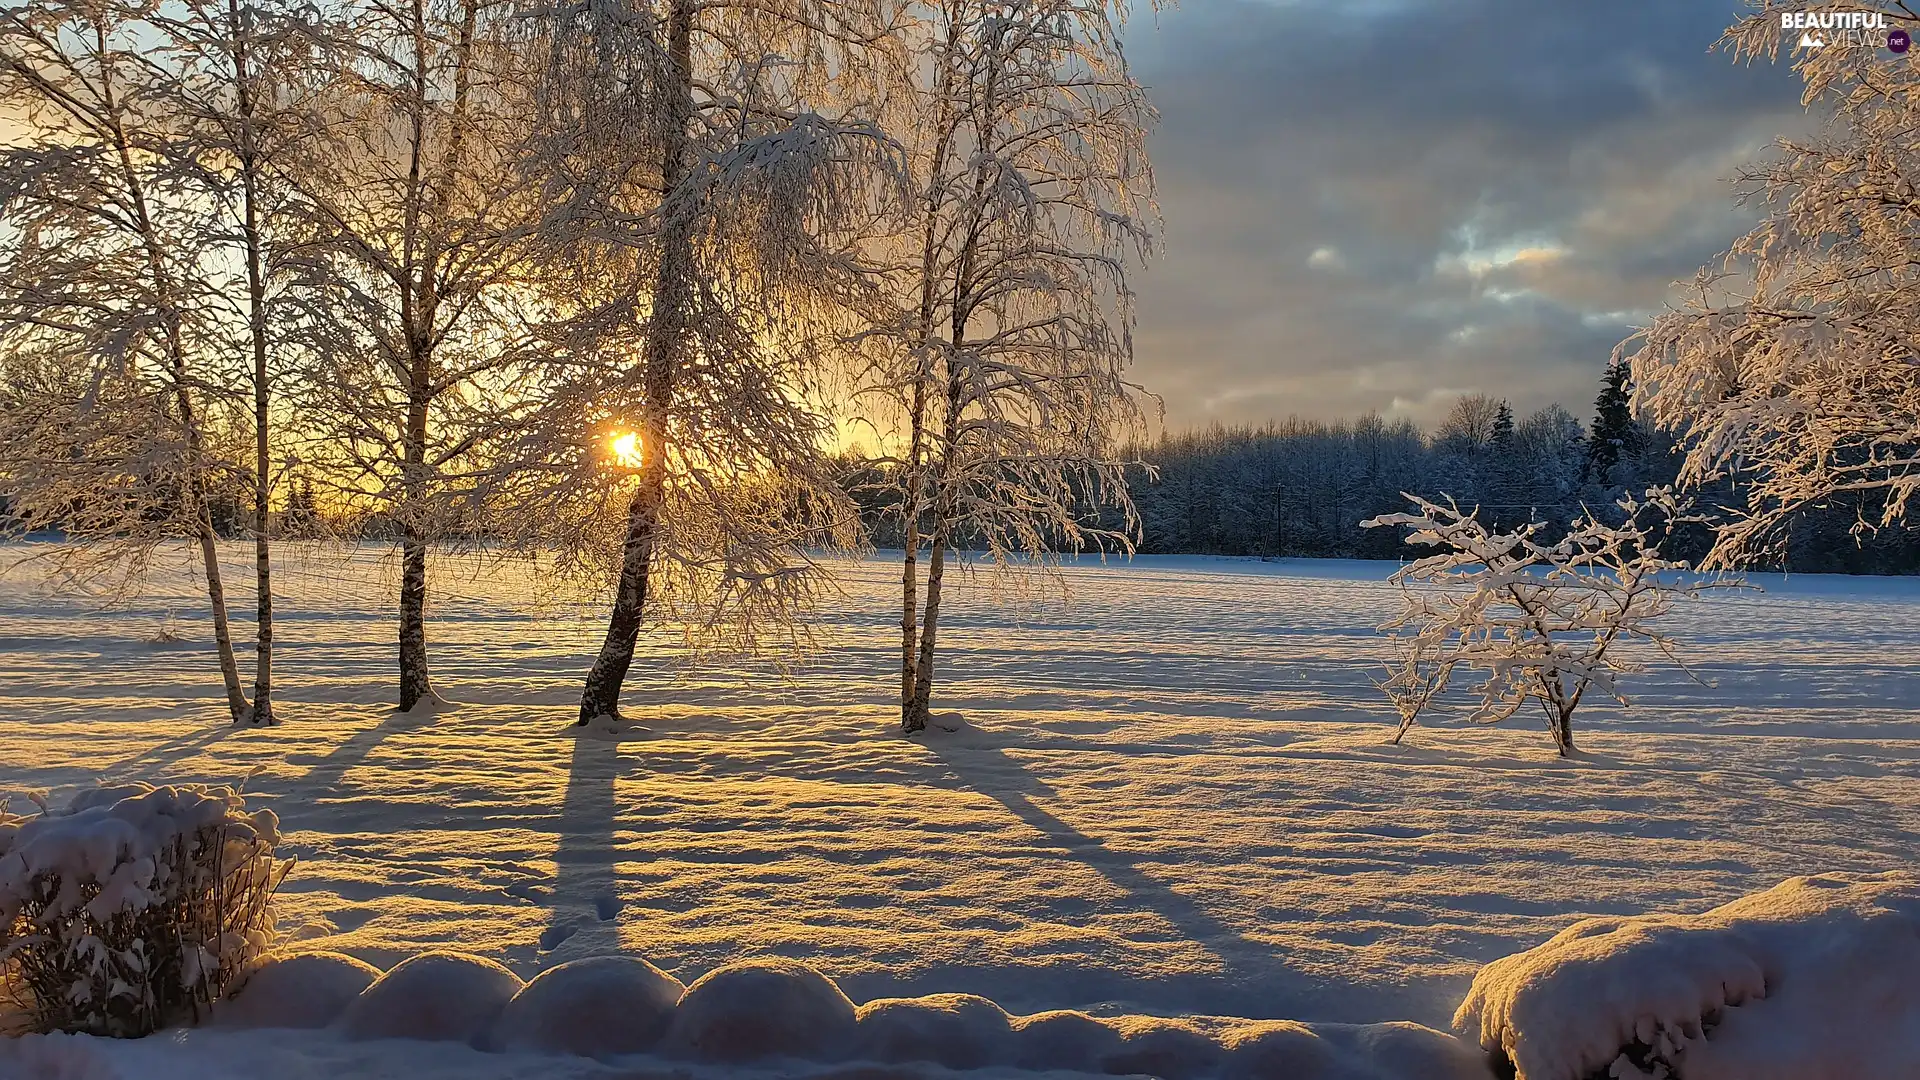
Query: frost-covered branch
pixel 1543 622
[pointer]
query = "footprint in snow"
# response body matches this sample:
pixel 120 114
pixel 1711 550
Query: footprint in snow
pixel 553 936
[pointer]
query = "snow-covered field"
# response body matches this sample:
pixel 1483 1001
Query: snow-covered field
pixel 1173 795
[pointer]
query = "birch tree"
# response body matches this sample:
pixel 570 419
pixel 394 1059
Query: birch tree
pixel 232 65
pixel 1005 363
pixel 112 303
pixel 744 172
pixel 423 326
pixel 1544 622
pixel 1790 366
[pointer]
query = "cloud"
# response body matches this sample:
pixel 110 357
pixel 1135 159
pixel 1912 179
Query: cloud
pixel 1326 258
pixel 1372 205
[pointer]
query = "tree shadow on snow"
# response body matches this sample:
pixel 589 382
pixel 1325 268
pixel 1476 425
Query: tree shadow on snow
pixel 327 772
pixel 1250 972
pixel 157 758
pixel 584 896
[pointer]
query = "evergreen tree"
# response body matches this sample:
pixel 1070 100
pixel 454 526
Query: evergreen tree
pixel 1503 428
pixel 1614 434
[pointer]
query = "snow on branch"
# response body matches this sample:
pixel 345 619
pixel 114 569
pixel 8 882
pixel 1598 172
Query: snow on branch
pixel 1790 366
pixel 132 907
pixel 1544 622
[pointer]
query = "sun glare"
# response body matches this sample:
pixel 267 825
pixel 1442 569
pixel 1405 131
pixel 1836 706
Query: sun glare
pixel 626 449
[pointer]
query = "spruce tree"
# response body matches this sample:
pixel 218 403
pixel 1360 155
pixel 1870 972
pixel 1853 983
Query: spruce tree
pixel 1614 432
pixel 1503 428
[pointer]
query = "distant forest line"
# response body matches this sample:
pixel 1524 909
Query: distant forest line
pixel 1300 488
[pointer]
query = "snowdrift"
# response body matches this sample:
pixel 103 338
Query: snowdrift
pixel 1817 978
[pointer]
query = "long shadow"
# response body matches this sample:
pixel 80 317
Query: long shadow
pixel 1248 968
pixel 156 758
pixel 328 771
pixel 584 903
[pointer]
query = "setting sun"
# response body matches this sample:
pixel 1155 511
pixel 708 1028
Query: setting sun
pixel 626 449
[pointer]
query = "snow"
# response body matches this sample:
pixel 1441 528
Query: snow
pixel 1173 1049
pixel 1059 1038
pixel 762 1008
pixel 960 1031
pixel 596 1006
pixel 436 996
pixel 300 990
pixel 1172 797
pixel 1815 979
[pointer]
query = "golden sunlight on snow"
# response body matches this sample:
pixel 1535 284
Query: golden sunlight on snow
pixel 1192 811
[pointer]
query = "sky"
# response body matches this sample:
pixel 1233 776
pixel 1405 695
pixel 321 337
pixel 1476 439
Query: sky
pixel 1380 205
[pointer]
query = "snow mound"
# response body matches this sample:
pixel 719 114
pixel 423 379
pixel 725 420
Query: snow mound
pixel 762 1008
pixel 598 1006
pixel 1284 1050
pixel 960 1031
pixel 436 996
pixel 1817 978
pixel 1164 1048
pixel 1062 1039
pixel 304 990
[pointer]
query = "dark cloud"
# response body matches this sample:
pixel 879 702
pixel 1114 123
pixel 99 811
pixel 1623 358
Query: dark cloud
pixel 1379 205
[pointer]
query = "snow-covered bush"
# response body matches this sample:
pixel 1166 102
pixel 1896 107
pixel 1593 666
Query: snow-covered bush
pixel 1817 978
pixel 1061 1039
pixel 762 1008
pixel 1545 622
pixel 599 1006
pixel 960 1031
pixel 1392 1051
pixel 434 997
pixel 132 907
pixel 304 990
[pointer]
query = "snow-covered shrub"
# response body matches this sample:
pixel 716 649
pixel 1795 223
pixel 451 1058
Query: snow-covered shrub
pixel 132 907
pixel 762 1008
pixel 1817 978
pixel 1062 1039
pixel 960 1031
pixel 1163 1048
pixel 303 990
pixel 1545 622
pixel 1285 1050
pixel 599 1006
pixel 435 996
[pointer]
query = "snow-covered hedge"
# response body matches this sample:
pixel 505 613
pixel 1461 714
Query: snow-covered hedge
pixel 780 1014
pixel 1817 978
pixel 132 907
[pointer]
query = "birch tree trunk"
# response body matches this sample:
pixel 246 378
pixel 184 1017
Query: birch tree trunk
pixel 913 714
pixel 943 511
pixel 238 27
pixel 666 336
pixel 918 707
pixel 415 684
pixel 173 331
